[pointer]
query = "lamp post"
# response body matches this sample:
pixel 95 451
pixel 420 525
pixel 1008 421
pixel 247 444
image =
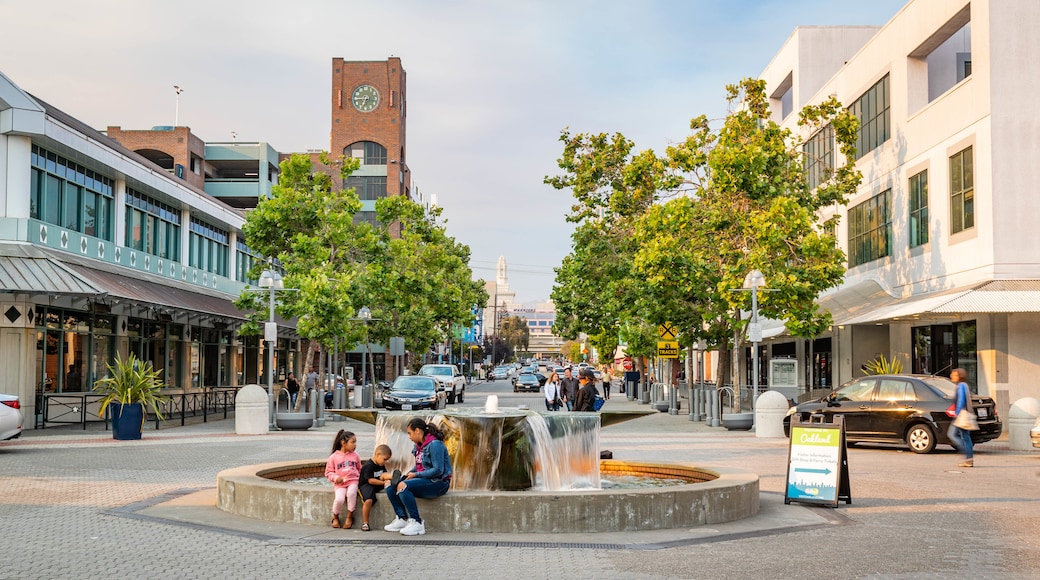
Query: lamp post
pixel 271 280
pixel 753 281
pixel 365 315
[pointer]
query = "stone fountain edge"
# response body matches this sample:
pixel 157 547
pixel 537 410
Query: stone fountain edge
pixel 712 497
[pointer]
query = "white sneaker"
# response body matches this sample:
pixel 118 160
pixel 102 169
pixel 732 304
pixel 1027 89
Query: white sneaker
pixel 414 528
pixel 397 525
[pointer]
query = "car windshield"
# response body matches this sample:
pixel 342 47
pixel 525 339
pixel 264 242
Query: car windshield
pixel 414 384
pixel 941 385
pixel 527 377
pixel 435 370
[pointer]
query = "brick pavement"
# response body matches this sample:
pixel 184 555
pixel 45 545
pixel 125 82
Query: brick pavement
pixel 78 503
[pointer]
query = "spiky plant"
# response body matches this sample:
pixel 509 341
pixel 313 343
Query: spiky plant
pixel 131 381
pixel 883 366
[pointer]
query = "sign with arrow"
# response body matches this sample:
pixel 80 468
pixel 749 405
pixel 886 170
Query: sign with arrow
pixel 817 465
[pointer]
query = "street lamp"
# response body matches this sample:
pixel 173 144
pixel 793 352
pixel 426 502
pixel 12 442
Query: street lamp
pixel 364 315
pixel 271 280
pixel 753 282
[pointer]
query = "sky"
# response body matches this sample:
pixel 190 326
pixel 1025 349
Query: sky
pixel 491 84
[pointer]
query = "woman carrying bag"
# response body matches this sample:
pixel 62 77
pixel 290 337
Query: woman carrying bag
pixel 964 422
pixel 553 402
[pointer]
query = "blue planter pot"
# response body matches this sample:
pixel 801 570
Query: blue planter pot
pixel 127 421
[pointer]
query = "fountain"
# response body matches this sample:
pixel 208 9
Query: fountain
pixel 514 471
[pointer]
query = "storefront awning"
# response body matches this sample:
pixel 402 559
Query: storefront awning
pixel 145 292
pixel 999 296
pixel 24 270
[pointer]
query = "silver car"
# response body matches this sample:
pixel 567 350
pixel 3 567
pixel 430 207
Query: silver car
pixel 10 417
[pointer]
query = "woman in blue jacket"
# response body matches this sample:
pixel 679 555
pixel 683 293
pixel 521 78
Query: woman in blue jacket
pixel 961 438
pixel 430 478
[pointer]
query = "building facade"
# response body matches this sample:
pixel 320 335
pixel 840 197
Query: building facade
pixel 943 260
pixel 103 252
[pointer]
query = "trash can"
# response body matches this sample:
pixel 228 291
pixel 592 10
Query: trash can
pixel 363 396
pixel 631 384
pixel 252 415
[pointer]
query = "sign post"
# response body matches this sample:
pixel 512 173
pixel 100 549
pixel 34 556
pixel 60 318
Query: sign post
pixel 817 464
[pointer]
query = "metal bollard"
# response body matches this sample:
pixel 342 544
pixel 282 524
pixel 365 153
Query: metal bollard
pixel 673 400
pixel 319 414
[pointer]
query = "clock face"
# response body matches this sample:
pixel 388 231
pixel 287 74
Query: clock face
pixel 365 98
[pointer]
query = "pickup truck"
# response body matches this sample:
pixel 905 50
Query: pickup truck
pixel 449 378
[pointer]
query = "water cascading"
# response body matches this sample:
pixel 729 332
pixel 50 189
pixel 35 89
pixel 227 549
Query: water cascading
pixel 511 449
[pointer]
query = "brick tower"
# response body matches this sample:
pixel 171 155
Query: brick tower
pixel 369 111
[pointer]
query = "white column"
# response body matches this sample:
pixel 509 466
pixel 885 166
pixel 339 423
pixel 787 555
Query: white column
pixel 15 176
pixel 185 235
pixel 232 255
pixel 119 212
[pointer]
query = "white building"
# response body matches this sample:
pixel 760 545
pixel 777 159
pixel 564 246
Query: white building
pixel 943 248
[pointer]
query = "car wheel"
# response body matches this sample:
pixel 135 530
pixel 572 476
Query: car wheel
pixel 451 397
pixel 462 394
pixel 920 438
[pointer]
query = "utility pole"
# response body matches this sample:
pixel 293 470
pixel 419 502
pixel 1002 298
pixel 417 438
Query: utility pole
pixel 177 105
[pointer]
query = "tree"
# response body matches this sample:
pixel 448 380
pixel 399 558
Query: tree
pixel 669 238
pixel 413 277
pixel 515 334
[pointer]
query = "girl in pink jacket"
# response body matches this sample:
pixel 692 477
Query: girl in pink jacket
pixel 343 470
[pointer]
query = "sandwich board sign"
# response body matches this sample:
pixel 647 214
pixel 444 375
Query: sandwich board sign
pixel 817 464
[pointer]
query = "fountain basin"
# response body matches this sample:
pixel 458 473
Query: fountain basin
pixel 710 497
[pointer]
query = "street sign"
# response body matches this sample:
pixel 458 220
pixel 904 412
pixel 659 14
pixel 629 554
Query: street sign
pixel 667 349
pixel 627 363
pixel 817 465
pixel 396 346
pixel 667 331
pixel 754 331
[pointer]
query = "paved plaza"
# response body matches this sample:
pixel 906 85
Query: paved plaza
pixel 76 503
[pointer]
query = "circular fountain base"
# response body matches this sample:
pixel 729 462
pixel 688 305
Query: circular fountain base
pixel 710 497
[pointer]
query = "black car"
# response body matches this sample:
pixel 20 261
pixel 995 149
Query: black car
pixel 526 382
pixel 541 378
pixel 412 392
pixel 913 409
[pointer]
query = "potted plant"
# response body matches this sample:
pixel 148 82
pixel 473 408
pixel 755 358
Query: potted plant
pixel 132 387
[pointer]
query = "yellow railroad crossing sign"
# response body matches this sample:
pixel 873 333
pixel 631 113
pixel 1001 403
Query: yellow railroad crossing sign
pixel 667 349
pixel 667 331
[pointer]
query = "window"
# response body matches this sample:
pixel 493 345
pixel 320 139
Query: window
pixel 962 191
pixel 69 195
pixel 368 217
pixel 919 209
pixel 870 230
pixel 872 111
pixel 208 247
pixel 368 187
pixel 895 390
pixel 369 152
pixel 819 156
pixel 858 392
pixel 245 259
pixel 152 226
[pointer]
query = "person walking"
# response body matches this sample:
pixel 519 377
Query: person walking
pixel 586 399
pixel 292 386
pixel 608 375
pixel 430 478
pixel 552 393
pixel 960 435
pixel 569 385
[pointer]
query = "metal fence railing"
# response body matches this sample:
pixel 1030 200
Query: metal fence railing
pixel 82 408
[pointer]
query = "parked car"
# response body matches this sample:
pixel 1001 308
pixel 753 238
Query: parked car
pixel 449 377
pixel 913 409
pixel 542 378
pixel 526 382
pixel 411 393
pixel 10 417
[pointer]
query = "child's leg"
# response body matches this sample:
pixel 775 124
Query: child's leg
pixel 337 504
pixel 366 510
pixel 352 496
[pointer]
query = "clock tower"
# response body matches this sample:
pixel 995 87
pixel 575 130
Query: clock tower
pixel 369 112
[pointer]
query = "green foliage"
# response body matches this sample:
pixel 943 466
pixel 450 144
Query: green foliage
pixel 131 381
pixel 414 278
pixel 515 334
pixel 883 366
pixel 668 239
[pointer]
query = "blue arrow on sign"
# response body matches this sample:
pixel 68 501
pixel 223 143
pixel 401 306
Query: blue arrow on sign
pixel 810 470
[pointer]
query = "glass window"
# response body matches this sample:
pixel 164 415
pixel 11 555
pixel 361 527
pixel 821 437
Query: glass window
pixel 859 391
pixel 872 111
pixel 919 209
pixel 962 191
pixel 209 247
pixel 90 210
pixel 62 194
pixel 870 230
pixel 52 199
pixel 369 152
pixel 819 156
pixel 894 390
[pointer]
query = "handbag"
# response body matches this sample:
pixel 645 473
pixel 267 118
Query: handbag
pixel 966 420
pixel 597 403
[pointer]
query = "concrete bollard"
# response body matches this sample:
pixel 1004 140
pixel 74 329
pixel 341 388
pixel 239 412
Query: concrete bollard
pixel 1021 419
pixel 770 409
pixel 251 411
